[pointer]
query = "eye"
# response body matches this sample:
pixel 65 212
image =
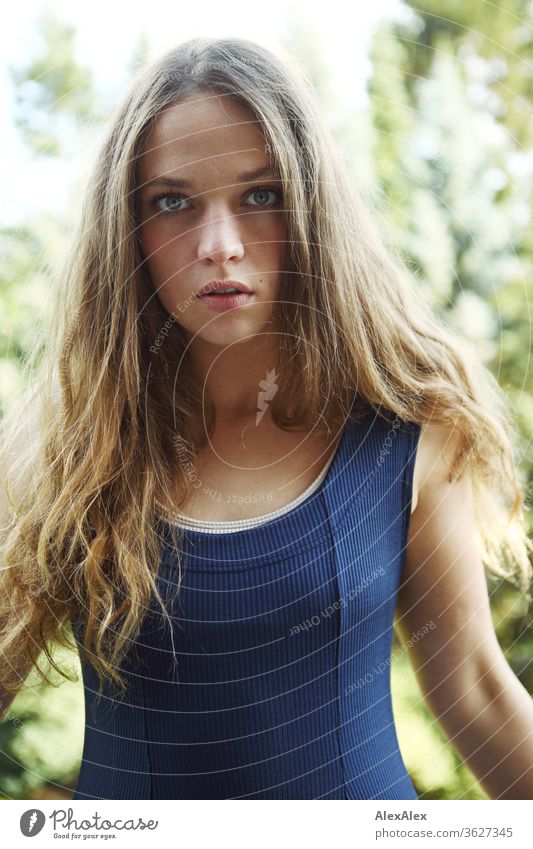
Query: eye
pixel 169 204
pixel 263 192
pixel 173 206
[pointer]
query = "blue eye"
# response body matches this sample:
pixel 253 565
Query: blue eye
pixel 265 190
pixel 175 199
pixel 169 204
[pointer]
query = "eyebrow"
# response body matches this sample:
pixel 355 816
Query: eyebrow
pixel 244 177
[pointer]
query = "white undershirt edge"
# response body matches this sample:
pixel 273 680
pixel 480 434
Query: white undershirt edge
pixel 221 527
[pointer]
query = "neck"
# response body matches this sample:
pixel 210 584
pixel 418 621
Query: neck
pixel 240 379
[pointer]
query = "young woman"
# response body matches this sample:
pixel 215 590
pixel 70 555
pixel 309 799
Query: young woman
pixel 230 497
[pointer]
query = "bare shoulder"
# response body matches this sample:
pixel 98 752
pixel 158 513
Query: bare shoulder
pixel 437 444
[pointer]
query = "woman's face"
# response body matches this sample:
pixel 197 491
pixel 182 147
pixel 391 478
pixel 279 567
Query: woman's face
pixel 204 218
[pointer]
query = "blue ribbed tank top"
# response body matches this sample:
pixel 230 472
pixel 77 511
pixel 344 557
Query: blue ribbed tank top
pixel 282 634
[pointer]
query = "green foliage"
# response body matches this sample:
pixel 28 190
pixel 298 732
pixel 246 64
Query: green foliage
pixel 447 146
pixel 52 90
pixel 30 252
pixel 455 181
pixel 41 738
pixel 437 771
pixel 500 33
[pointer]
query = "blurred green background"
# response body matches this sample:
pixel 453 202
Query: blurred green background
pixel 442 148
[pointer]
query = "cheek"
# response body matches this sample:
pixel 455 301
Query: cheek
pixel 163 256
pixel 274 247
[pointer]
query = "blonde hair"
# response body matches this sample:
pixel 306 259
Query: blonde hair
pixel 115 435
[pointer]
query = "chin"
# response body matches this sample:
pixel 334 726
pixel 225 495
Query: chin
pixel 230 333
pixel 226 337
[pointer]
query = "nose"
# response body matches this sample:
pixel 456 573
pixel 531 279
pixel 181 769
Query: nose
pixel 219 237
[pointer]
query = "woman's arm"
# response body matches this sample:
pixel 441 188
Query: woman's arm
pixel 483 708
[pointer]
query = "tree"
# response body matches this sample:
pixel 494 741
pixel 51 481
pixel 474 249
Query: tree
pixel 449 93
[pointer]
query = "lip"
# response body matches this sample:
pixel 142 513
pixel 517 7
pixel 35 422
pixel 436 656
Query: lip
pixel 222 284
pixel 224 303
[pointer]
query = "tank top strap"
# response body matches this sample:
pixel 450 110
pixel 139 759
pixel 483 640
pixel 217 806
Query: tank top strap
pixel 377 453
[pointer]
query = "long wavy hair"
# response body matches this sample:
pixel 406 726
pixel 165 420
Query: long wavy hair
pixel 119 414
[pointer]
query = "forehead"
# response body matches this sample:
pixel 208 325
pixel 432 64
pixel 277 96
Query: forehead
pixel 199 130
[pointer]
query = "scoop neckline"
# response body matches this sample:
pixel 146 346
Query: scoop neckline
pixel 243 524
pixel 303 528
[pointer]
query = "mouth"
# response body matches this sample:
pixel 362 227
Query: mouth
pixel 226 301
pixel 221 288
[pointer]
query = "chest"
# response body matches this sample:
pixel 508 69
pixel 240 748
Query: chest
pixel 248 473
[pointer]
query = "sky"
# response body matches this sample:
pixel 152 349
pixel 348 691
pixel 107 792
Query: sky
pixel 107 33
